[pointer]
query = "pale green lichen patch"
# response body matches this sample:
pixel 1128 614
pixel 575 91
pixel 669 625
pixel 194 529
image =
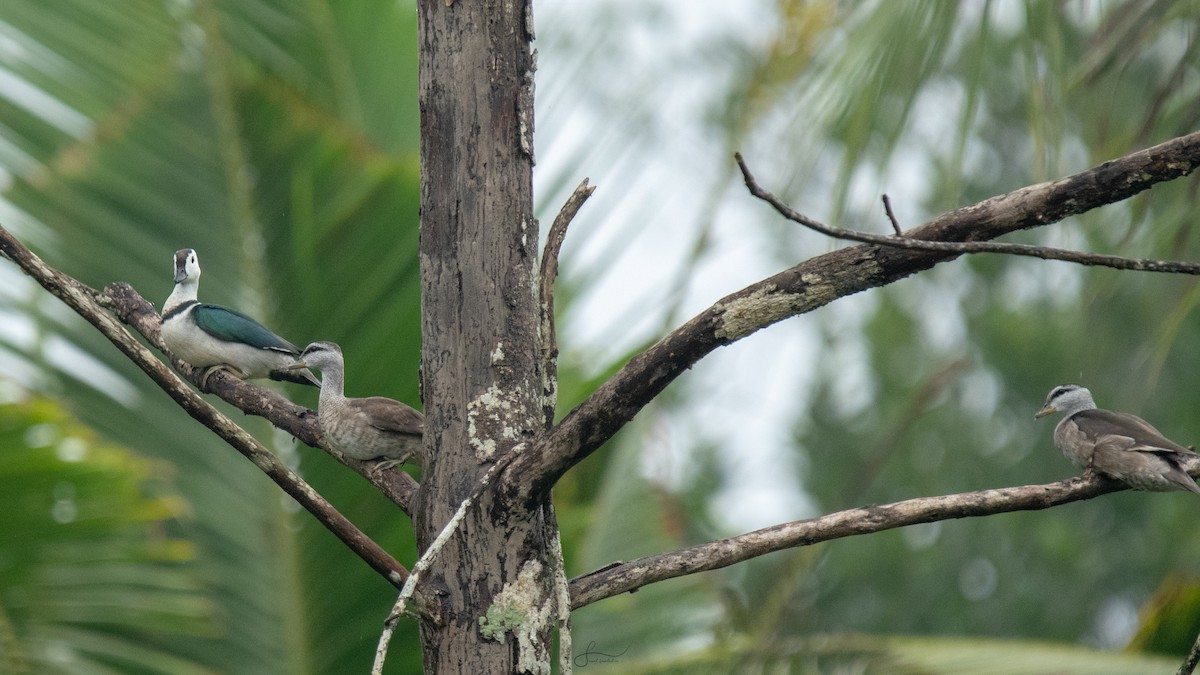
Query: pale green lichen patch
pixel 521 608
pixel 768 305
pixel 500 620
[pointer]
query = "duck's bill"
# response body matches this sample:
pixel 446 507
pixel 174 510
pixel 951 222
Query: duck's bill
pixel 1048 410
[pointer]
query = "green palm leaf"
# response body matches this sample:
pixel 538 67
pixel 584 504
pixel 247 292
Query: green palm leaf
pixel 92 577
pixel 273 139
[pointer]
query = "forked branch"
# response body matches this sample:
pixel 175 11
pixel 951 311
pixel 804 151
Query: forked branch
pixel 903 241
pixel 818 281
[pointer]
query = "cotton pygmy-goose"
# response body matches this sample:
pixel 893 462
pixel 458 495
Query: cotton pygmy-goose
pixel 362 428
pixel 218 338
pixel 1120 445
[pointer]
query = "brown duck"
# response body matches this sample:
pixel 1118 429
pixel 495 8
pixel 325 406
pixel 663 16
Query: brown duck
pixel 361 428
pixel 1119 445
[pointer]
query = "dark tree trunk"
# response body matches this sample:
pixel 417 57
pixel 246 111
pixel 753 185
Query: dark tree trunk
pixel 488 591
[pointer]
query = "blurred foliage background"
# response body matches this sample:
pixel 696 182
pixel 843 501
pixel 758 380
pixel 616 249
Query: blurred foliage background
pixel 279 139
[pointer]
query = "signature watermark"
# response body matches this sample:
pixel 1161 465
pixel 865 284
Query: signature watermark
pixel 593 655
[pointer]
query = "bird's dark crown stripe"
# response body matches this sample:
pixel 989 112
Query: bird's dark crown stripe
pixel 1062 390
pixel 180 309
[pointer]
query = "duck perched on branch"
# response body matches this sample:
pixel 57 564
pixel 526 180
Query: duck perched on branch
pixel 212 337
pixel 1119 445
pixel 361 428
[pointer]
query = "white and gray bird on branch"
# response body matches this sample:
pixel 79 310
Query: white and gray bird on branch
pixel 361 428
pixel 212 337
pixel 1119 445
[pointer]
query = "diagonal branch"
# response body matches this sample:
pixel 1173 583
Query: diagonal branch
pixel 901 241
pixel 136 312
pixel 819 281
pixel 622 577
pixel 83 300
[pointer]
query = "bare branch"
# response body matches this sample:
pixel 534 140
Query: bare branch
pixel 900 241
pixel 546 276
pixel 84 300
pixel 300 422
pixel 887 204
pixel 819 281
pixel 615 579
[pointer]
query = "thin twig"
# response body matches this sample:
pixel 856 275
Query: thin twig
pixel 426 559
pixel 82 299
pixel 887 208
pixel 957 247
pixel 546 277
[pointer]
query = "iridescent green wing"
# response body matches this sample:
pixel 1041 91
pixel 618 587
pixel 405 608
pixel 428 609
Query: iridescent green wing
pixel 233 326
